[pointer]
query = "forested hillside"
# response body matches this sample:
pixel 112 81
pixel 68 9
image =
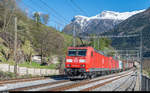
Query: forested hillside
pixel 33 36
pixel 138 24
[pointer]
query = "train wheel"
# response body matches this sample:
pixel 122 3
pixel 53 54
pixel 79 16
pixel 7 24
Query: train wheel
pixel 71 79
pixel 84 77
pixel 92 76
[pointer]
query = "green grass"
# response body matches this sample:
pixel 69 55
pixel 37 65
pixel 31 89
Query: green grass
pixel 10 63
pixel 147 72
pixel 36 65
pixel 6 75
pixel 10 75
pixel 32 65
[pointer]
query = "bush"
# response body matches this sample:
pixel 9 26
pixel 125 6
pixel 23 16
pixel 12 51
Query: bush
pixel 44 64
pixel 6 75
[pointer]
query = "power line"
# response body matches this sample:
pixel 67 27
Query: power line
pixel 52 14
pixel 57 22
pixel 58 17
pixel 29 6
pixel 78 7
pixel 108 36
pixel 35 4
pixel 54 10
pixel 71 6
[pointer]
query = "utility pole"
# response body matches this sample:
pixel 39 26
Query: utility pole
pixel 95 43
pixel 74 36
pixel 5 12
pixel 127 57
pixel 98 44
pixel 141 55
pixel 15 47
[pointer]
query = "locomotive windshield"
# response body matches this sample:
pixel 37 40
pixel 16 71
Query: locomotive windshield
pixel 77 52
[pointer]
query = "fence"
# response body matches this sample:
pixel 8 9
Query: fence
pixel 145 83
pixel 26 71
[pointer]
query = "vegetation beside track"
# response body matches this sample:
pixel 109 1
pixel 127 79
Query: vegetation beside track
pixel 10 75
pixel 32 65
pixel 34 37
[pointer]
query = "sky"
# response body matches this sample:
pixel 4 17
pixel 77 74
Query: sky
pixel 62 11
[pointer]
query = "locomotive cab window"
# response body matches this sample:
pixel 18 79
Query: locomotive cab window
pixel 77 52
pixel 72 53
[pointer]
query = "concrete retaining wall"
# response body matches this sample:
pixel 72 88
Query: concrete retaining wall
pixel 26 71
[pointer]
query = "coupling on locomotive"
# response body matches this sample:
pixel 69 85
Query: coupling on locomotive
pixel 87 62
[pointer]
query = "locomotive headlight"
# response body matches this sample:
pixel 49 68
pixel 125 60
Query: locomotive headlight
pixel 68 65
pixel 82 65
pixel 69 60
pixel 82 61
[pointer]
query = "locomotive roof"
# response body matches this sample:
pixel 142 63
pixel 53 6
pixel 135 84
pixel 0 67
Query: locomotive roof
pixel 79 47
pixel 98 51
pixel 101 52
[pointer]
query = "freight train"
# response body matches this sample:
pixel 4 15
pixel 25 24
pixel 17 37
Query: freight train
pixel 87 62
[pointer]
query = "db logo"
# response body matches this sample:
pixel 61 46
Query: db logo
pixel 75 60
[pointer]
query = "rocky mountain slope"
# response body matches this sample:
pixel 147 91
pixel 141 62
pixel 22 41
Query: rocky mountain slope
pixel 131 26
pixel 100 23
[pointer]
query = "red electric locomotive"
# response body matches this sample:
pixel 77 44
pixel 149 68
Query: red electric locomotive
pixel 86 62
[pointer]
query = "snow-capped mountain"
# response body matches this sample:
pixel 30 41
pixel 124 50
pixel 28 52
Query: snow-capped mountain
pixel 116 15
pixel 102 22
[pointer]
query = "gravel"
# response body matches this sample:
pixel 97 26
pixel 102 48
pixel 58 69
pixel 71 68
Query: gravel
pixel 91 84
pixel 2 88
pixel 108 87
pixel 115 85
pixel 52 86
pixel 30 83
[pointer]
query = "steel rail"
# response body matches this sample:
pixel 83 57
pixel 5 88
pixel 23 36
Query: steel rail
pixel 70 86
pixel 21 80
pixel 104 83
pixel 38 86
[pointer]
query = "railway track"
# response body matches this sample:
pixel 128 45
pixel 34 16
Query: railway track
pixel 39 86
pixel 67 85
pixel 81 83
pixel 104 83
pixel 128 84
pixel 21 80
pixel 85 82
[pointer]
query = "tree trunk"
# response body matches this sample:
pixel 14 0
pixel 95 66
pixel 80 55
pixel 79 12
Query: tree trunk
pixel 41 54
pixel 30 58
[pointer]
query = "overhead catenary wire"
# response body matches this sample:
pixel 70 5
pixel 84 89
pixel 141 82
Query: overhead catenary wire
pixel 63 21
pixel 75 4
pixel 48 6
pixel 48 11
pixel 33 9
pixel 109 36
pixel 71 6
pixel 41 8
